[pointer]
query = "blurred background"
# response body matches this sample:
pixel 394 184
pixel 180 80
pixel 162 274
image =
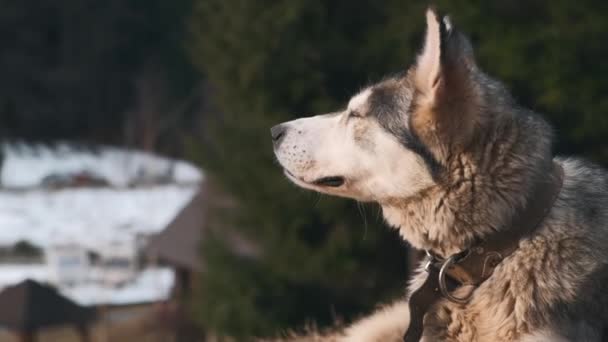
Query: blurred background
pixel 139 196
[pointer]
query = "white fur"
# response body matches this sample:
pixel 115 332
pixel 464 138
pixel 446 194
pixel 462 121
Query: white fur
pixel 359 101
pixel 387 324
pixel 325 146
pixel 429 61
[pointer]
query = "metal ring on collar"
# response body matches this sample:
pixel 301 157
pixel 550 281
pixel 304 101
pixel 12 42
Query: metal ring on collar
pixel 442 281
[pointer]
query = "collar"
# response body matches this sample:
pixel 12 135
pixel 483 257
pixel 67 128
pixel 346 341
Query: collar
pixel 476 264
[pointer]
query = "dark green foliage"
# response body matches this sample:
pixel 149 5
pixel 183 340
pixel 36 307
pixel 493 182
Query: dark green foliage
pixel 549 54
pixel 26 249
pixel 69 67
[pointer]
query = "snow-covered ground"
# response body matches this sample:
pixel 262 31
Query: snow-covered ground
pixel 150 285
pixel 91 217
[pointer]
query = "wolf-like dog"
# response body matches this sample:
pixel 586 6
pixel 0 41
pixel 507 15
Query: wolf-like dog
pixel 451 158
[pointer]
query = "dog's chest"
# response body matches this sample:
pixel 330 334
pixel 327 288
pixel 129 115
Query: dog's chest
pixel 456 323
pixel 495 312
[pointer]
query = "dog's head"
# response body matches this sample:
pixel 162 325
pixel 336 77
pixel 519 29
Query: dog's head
pixel 393 138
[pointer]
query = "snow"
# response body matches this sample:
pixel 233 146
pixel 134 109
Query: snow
pixel 186 173
pixel 26 166
pixel 92 217
pixel 11 274
pixel 149 285
pixel 142 194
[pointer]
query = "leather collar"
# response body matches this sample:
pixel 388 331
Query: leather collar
pixel 476 264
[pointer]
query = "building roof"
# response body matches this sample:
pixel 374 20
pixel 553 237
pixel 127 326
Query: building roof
pixel 29 306
pixel 179 243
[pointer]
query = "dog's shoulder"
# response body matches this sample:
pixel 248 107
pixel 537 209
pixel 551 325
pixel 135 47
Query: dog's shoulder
pixel 582 207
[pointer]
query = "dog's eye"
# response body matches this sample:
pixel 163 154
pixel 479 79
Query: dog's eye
pixel 354 114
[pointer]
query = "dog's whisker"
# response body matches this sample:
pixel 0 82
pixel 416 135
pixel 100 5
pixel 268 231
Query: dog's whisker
pixel 319 195
pixel 364 217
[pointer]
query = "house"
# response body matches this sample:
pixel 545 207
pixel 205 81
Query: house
pixel 91 210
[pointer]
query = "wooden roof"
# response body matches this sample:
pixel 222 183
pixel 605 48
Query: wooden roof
pixel 179 243
pixel 29 306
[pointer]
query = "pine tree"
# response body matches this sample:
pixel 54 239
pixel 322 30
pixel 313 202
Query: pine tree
pixel 69 67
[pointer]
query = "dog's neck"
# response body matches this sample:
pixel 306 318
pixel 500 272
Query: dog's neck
pixel 480 193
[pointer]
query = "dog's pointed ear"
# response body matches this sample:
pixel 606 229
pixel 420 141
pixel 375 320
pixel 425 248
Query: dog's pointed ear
pixel 443 77
pixel 429 61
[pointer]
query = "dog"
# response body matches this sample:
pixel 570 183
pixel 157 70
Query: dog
pixel 453 160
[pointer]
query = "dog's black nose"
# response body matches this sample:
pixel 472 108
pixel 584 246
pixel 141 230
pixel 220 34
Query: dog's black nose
pixel 277 133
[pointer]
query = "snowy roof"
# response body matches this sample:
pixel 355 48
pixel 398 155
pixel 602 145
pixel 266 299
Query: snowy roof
pixel 150 285
pixel 140 193
pixel 11 274
pixel 92 217
pixel 26 165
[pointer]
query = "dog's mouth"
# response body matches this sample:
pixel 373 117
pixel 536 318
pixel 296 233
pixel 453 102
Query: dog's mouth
pixel 331 181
